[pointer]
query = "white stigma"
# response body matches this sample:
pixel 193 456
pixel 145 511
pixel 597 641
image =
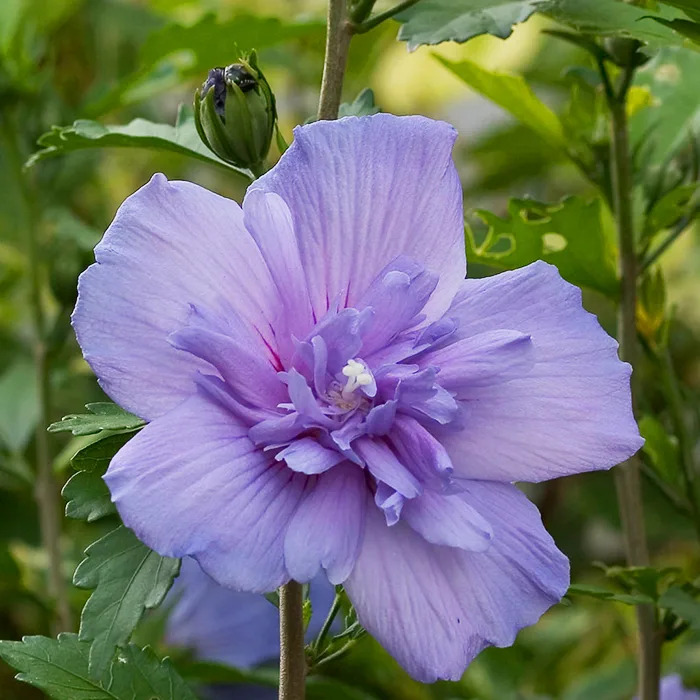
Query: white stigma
pixel 358 375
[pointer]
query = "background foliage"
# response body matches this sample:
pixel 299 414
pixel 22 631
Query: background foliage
pixel 90 100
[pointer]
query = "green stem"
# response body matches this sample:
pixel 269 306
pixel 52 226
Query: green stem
pixel 685 442
pixel 292 660
pixel 359 10
pixel 338 35
pixel 46 493
pixel 336 654
pixel 627 478
pixel 677 230
pixel 325 629
pixel 372 22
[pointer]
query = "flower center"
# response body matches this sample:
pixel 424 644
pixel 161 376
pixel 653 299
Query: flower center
pixel 358 375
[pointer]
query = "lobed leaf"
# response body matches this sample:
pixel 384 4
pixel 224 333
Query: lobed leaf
pixel 103 416
pixel 435 21
pixel 613 18
pixel 574 235
pixel 19 407
pixel 59 667
pixel 128 578
pixel 139 133
pixel 87 497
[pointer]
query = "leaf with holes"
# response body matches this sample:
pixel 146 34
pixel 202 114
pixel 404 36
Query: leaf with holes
pixel 128 578
pixel 59 667
pixel 574 235
pixel 103 416
pixel 435 21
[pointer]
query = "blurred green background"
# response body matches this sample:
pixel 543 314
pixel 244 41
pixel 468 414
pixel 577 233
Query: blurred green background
pixel 115 60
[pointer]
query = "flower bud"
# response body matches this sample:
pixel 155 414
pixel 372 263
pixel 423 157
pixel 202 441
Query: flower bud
pixel 625 52
pixel 235 113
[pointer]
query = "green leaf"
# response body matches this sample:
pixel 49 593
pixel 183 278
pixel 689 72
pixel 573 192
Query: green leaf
pixel 661 448
pixel 690 7
pixel 683 605
pixel 139 133
pixel 689 29
pixel 673 78
pixel 19 406
pixel 96 456
pixel 574 235
pixel 273 597
pixel 86 493
pixel 512 93
pixel 606 594
pixel 671 208
pixel 435 21
pixel 613 18
pixel 645 580
pixel 87 497
pixel 128 578
pixel 306 612
pixel 363 105
pixel 103 416
pixel 59 667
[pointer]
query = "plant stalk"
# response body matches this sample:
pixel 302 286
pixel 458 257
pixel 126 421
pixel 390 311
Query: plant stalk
pixel 338 35
pixel 46 492
pixel 292 659
pixel 627 479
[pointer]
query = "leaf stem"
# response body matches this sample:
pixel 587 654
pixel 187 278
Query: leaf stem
pixel 46 493
pixel 336 654
pixel 627 480
pixel 676 231
pixel 292 659
pixel 372 22
pixel 338 35
pixel 325 629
